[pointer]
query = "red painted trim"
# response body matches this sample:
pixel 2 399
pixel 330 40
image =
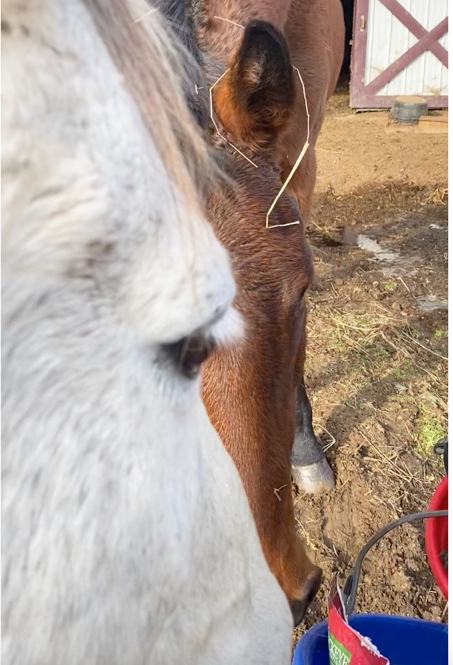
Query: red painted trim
pixel 358 52
pixel 409 56
pixel 414 26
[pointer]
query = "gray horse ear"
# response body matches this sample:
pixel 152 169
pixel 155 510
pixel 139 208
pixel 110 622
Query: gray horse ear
pixel 258 95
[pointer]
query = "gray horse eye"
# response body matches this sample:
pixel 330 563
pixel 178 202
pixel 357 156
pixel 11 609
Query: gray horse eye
pixel 188 354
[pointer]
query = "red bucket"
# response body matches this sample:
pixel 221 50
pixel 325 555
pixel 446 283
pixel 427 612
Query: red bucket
pixel 437 536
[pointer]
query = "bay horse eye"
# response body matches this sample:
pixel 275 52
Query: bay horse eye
pixel 189 353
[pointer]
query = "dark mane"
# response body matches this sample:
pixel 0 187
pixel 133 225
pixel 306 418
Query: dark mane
pixel 180 17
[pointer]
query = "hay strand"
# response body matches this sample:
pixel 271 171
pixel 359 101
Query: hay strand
pixel 296 165
pixel 148 13
pixel 229 21
pixel 211 109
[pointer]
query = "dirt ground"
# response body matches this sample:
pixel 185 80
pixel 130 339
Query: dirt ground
pixel 376 363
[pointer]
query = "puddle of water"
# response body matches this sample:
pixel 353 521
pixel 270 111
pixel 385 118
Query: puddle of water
pixel 407 265
pixel 374 248
pixel 393 263
pixel 431 303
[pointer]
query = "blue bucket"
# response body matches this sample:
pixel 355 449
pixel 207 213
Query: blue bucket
pixel 403 641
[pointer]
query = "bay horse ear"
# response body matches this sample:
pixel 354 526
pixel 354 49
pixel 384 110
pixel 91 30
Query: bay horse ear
pixel 257 97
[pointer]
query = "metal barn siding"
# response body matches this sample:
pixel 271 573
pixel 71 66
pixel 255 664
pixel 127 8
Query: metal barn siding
pixel 399 48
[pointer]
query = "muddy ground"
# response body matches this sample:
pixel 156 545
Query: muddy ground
pixel 376 368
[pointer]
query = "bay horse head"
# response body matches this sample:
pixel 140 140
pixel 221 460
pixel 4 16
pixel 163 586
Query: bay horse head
pixel 254 392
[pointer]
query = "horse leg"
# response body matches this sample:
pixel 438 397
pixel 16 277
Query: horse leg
pixel 310 469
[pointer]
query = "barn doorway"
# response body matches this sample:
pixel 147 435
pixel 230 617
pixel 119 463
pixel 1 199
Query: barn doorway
pixel 348 9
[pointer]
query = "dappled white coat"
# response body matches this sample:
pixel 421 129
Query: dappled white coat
pixel 126 534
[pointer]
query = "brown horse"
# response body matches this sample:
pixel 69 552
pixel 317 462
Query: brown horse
pixel 255 393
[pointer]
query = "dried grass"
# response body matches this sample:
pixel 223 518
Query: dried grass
pixel 371 352
pixel 438 197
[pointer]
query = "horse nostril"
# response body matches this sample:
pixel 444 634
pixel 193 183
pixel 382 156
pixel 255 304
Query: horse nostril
pixel 300 605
